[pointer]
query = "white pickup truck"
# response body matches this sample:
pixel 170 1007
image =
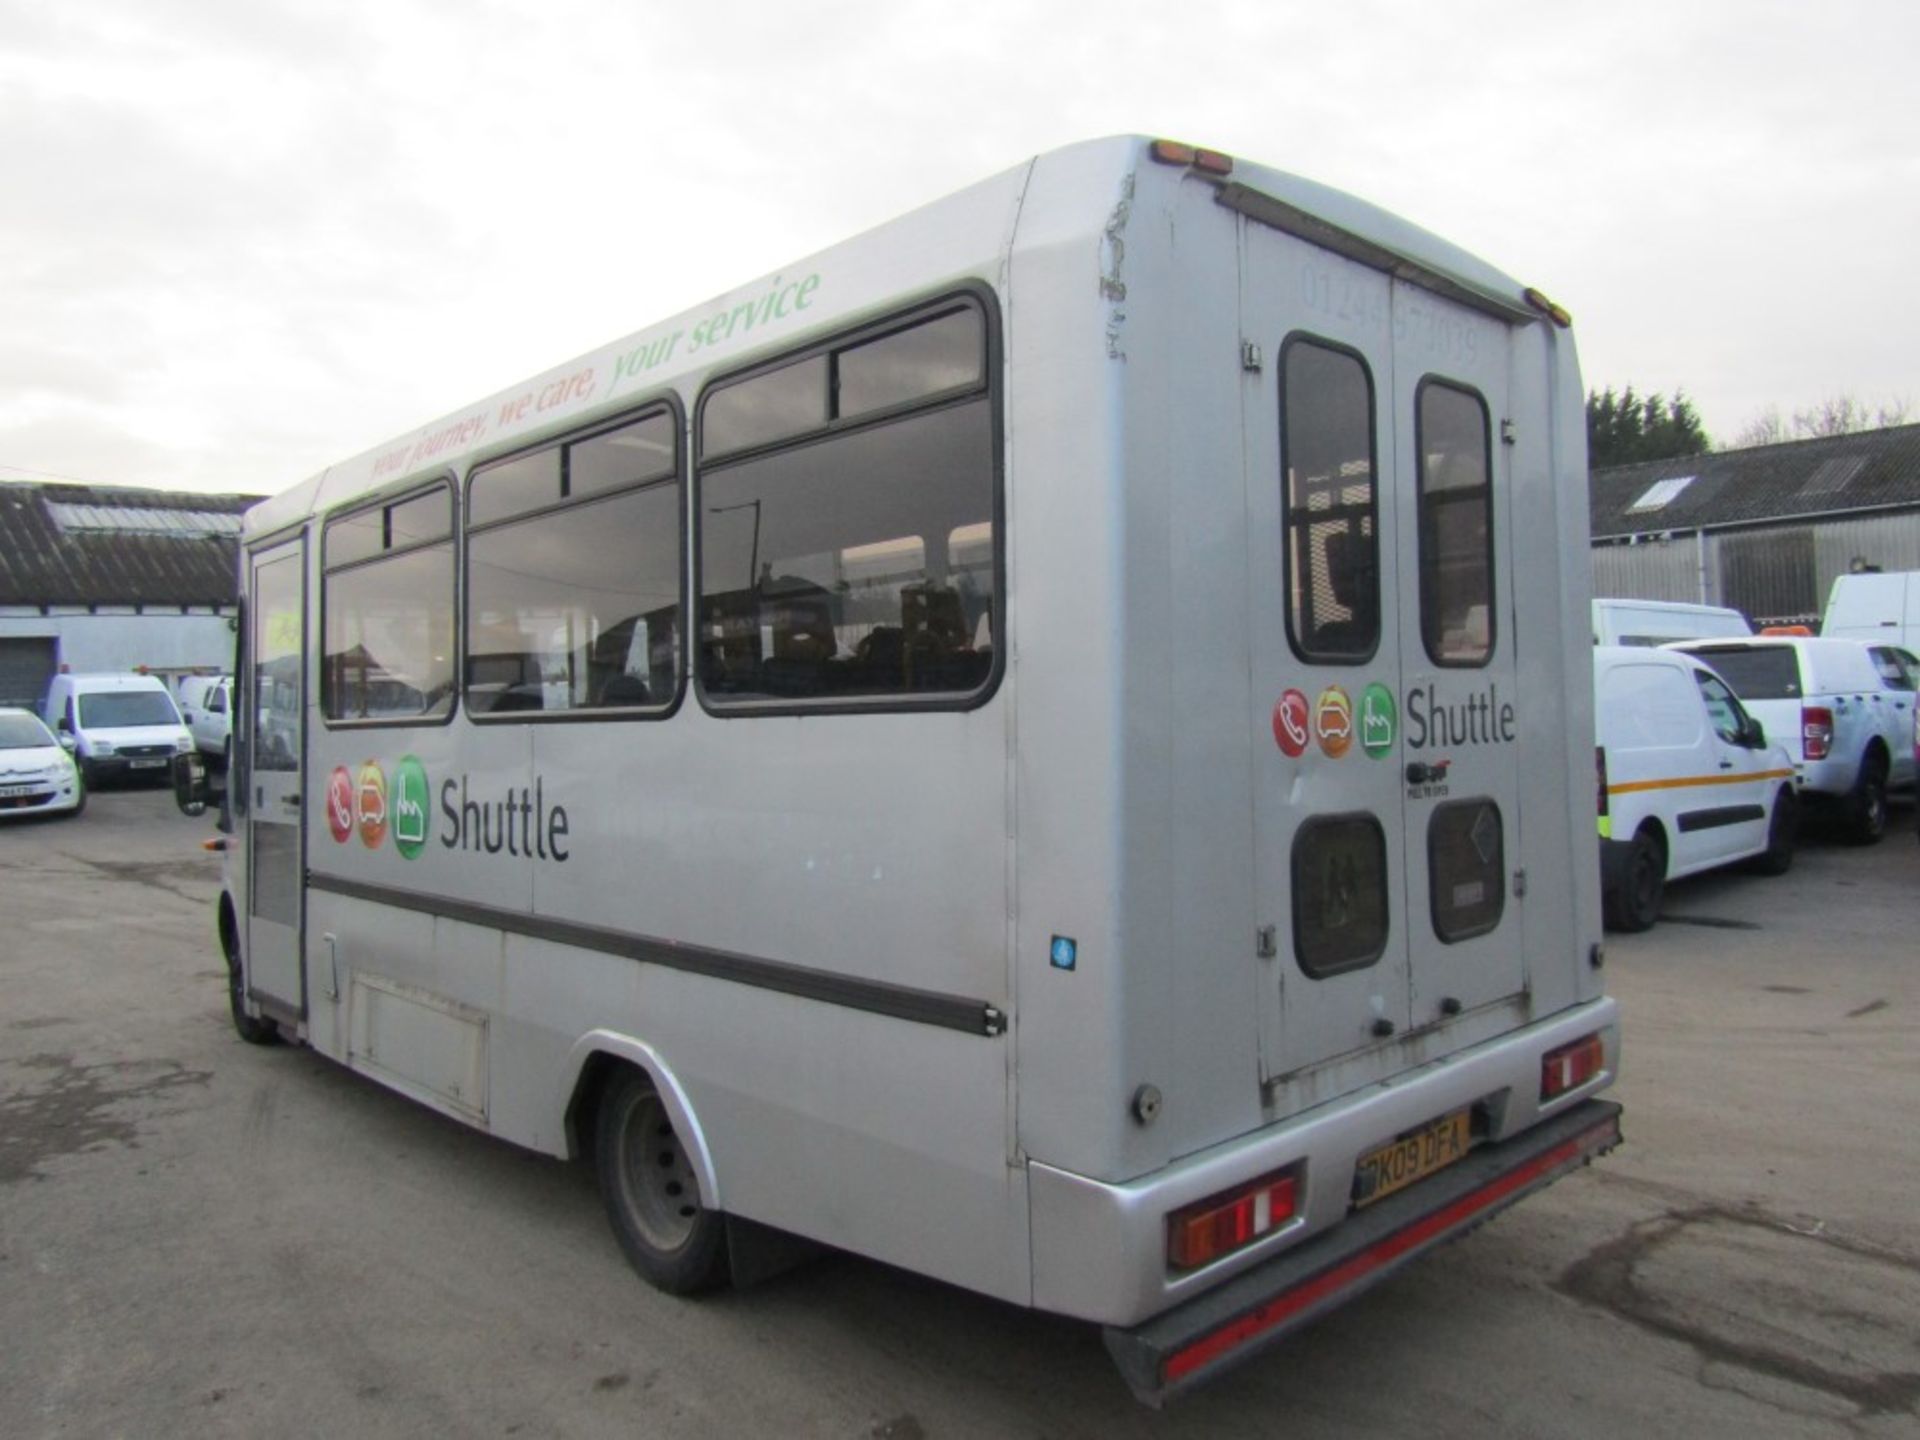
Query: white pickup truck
pixel 206 704
pixel 1847 727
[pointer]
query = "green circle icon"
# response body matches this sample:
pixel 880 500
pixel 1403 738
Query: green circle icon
pixel 409 807
pixel 1379 720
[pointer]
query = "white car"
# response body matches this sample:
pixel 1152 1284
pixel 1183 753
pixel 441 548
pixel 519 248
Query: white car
pixel 37 775
pixel 1688 780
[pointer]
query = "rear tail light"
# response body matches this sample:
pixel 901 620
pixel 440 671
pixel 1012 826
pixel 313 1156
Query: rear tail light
pixel 1571 1066
pixel 1201 1233
pixel 1816 731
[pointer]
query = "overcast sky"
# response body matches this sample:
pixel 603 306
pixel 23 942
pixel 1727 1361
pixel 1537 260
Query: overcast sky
pixel 242 239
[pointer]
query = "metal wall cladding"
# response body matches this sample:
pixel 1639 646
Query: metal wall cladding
pixel 1774 574
pixel 90 545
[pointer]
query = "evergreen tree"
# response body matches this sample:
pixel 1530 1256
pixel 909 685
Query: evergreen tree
pixel 1626 429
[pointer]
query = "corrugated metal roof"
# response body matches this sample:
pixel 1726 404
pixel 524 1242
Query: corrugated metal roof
pixel 1870 470
pixel 143 520
pixel 100 545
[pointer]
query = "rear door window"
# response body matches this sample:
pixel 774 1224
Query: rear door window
pixel 1759 672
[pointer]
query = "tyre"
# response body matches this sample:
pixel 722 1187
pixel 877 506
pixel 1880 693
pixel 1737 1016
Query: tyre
pixel 651 1194
pixel 1867 804
pixel 254 1029
pixel 1634 903
pixel 1782 832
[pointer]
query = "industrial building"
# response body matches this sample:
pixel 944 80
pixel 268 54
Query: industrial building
pixel 98 578
pixel 1764 530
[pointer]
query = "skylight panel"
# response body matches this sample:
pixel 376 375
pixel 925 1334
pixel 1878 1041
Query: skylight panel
pixel 1660 494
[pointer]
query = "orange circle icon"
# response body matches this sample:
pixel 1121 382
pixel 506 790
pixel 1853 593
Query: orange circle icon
pixel 1333 721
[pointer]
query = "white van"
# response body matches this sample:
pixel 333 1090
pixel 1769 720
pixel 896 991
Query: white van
pixel 1880 609
pixel 1688 780
pixel 1655 622
pixel 122 725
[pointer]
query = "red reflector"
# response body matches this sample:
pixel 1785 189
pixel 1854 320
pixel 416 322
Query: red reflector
pixel 1816 731
pixel 1172 152
pixel 1201 1233
pixel 1571 1066
pixel 1212 162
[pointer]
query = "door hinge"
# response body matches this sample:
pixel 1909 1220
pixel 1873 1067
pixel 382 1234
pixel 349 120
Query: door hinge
pixel 1509 433
pixel 1266 942
pixel 1520 883
pixel 1250 357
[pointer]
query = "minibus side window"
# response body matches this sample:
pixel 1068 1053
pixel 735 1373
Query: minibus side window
pixel 1332 550
pixel 573 575
pixel 386 600
pixel 1453 446
pixel 846 508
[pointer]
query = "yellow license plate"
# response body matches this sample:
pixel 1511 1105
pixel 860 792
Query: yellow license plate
pixel 1413 1156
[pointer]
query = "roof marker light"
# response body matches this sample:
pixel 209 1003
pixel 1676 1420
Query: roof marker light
pixel 1556 313
pixel 1172 152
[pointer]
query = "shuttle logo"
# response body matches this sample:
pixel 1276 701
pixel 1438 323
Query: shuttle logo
pixel 1290 721
pixel 370 805
pixel 340 804
pixel 410 805
pixel 1333 721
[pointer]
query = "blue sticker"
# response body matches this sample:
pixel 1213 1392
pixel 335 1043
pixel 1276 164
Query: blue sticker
pixel 1064 953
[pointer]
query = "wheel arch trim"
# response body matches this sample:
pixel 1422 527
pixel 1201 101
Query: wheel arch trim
pixel 613 1045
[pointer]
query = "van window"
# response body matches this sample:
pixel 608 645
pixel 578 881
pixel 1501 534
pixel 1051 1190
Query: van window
pixel 111 709
pixel 1723 711
pixel 1897 668
pixel 1339 872
pixel 1327 459
pixel 1756 672
pixel 1456 525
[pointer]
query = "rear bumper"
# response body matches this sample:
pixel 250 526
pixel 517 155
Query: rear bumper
pixel 1184 1347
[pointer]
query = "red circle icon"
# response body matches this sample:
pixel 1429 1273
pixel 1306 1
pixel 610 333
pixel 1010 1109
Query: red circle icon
pixel 1290 732
pixel 340 804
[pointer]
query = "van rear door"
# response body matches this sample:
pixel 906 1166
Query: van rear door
pixel 1386 812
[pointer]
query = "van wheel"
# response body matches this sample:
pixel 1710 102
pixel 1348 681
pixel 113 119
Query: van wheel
pixel 1867 805
pixel 1635 904
pixel 651 1195
pixel 1782 831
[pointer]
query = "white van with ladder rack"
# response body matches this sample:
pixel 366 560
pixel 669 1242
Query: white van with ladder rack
pixel 1048 744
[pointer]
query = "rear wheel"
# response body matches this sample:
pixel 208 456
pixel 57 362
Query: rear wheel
pixel 1867 805
pixel 651 1193
pixel 1634 903
pixel 1782 831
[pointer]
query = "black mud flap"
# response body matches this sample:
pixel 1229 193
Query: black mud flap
pixel 1184 1347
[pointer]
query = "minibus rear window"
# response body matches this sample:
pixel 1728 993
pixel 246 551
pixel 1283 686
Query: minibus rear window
pixel 1466 860
pixel 1456 525
pixel 1339 894
pixel 1332 551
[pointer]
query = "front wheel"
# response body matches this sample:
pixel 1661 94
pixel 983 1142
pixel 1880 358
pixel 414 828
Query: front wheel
pixel 254 1029
pixel 1634 902
pixel 651 1193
